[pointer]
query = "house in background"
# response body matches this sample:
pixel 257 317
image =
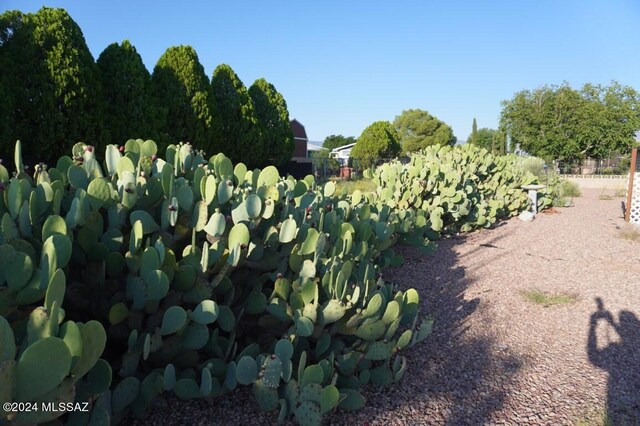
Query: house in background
pixel 300 140
pixel 342 153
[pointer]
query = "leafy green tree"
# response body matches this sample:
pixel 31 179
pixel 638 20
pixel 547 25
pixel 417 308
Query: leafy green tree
pixel 378 141
pixel 335 141
pixel 181 91
pixel 54 82
pixel 233 128
pixel 473 139
pixel 562 123
pixel 419 129
pixel 274 137
pixel 126 83
pixel 484 138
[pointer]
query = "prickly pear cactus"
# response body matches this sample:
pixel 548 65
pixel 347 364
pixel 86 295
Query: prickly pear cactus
pixel 200 276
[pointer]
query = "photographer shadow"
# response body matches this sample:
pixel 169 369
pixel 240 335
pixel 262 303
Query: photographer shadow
pixel 620 357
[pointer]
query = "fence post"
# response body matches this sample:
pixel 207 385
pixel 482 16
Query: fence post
pixel 632 172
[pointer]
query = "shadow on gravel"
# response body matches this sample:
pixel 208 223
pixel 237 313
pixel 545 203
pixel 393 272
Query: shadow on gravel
pixel 618 353
pixel 459 376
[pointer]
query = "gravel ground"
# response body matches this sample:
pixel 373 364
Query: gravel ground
pixel 494 356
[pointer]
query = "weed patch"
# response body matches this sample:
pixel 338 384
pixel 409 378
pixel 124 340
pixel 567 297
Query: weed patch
pixel 543 299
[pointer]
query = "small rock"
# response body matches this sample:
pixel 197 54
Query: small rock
pixel 526 216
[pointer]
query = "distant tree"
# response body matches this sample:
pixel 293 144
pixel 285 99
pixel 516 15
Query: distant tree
pixel 53 81
pixel 562 123
pixel 473 139
pixel 181 91
pixel 419 129
pixel 233 128
pixel 485 138
pixel 378 141
pixel 335 141
pixel 126 83
pixel 274 142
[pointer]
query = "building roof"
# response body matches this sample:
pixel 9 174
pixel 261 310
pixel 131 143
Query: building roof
pixel 298 129
pixel 343 147
pixel 314 146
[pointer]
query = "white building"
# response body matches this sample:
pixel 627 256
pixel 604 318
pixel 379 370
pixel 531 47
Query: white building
pixel 342 153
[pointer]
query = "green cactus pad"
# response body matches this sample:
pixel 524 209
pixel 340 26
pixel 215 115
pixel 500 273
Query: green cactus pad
pixel 329 399
pixel 149 225
pixel 391 313
pixel 272 370
pixel 304 327
pixel 53 225
pixel 333 311
pixel 371 331
pixel 246 370
pixel 173 320
pixel 308 414
pixel 373 307
pixel 200 216
pixel 266 397
pixel 118 313
pixel 124 394
pixel 169 377
pixel 225 191
pixel 379 351
pixel 253 205
pixel 288 231
pixel 404 339
pixel 157 285
pixel 353 400
pixel 55 290
pixel 77 177
pixel 226 319
pixel 239 235
pixel 284 350
pixel 99 378
pixel 206 312
pixel 45 363
pixel 216 225
pixel 7 341
pixel 99 193
pixel 268 176
pixel 18 271
pixel 94 340
pixel 195 336
pixel 312 374
pixel 381 376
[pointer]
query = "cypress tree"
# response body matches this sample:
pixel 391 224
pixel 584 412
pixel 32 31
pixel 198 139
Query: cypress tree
pixel 56 93
pixel 130 112
pixel 274 135
pixel 180 89
pixel 233 128
pixel 474 132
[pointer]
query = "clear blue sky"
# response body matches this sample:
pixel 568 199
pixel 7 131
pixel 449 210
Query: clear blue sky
pixel 342 65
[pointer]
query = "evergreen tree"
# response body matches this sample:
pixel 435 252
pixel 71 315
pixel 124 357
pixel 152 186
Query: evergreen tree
pixel 274 135
pixel 127 90
pixel 180 90
pixel 379 141
pixel 56 93
pixel 233 128
pixel 473 139
pixel 418 129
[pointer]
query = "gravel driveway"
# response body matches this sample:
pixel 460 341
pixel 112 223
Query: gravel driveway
pixel 495 357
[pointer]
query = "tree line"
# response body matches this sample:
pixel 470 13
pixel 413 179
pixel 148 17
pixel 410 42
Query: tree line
pixel 562 123
pixel 55 94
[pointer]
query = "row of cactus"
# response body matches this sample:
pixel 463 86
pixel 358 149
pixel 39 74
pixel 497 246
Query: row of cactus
pixel 199 276
pixel 455 188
